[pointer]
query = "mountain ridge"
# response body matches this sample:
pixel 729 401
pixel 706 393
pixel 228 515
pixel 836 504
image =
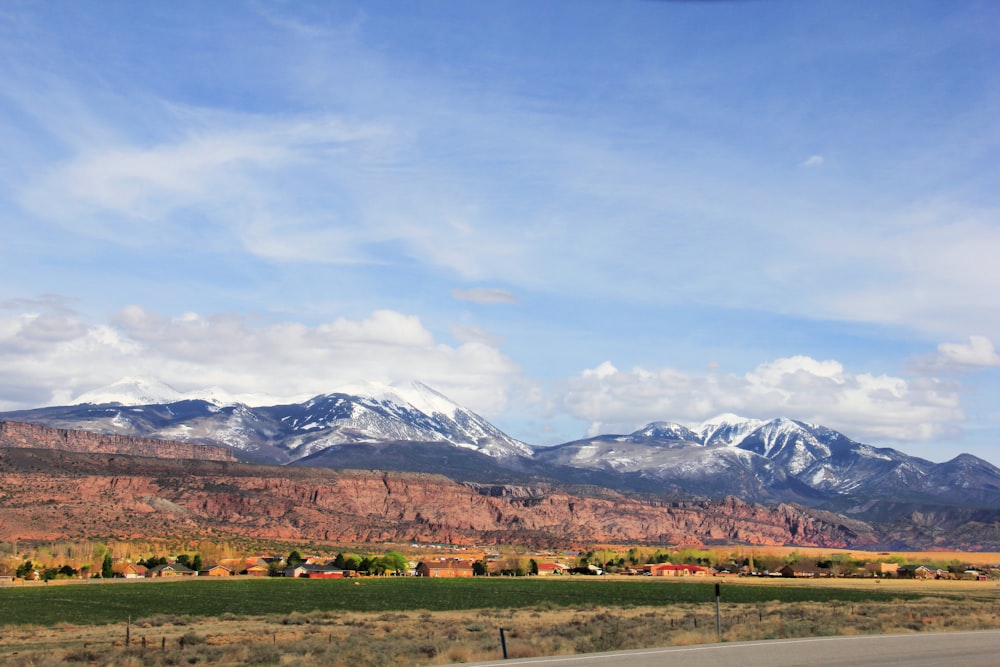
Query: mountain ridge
pixel 417 429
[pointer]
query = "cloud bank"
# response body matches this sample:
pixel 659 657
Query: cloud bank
pixel 862 405
pixel 49 355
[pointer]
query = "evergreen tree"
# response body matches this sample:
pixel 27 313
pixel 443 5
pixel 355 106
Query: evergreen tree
pixel 107 570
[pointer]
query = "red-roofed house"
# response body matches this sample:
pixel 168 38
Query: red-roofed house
pixel 446 568
pixel 668 570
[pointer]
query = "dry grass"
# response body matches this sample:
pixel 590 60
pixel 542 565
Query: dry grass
pixel 430 638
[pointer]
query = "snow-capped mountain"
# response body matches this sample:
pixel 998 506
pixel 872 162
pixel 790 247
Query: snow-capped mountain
pixel 413 427
pixel 138 391
pixel 132 391
pixel 366 414
pixel 779 459
pixel 380 413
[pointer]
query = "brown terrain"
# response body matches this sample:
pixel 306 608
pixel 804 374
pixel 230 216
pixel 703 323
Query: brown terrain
pixel 48 492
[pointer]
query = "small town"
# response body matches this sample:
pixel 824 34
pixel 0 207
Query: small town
pixel 494 563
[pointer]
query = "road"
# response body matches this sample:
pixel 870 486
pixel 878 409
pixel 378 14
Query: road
pixel 946 649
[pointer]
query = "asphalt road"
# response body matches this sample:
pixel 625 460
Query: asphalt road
pixel 946 649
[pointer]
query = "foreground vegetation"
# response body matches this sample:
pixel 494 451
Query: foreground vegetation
pixel 421 637
pixel 414 621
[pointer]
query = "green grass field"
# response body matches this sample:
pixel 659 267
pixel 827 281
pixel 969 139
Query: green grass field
pixel 96 604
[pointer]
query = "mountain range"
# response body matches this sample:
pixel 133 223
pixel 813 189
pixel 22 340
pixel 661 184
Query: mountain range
pixel 416 429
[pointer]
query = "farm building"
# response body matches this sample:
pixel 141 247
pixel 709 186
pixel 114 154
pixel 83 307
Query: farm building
pixel 308 571
pixel 175 570
pixel 451 567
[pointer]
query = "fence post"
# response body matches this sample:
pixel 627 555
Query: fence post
pixel 503 644
pixel 718 616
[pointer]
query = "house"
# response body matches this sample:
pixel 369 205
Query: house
pixel 669 570
pixel 324 572
pixel 917 572
pixel 451 567
pixel 882 569
pixel 129 570
pixel 314 571
pixel 257 570
pixel 170 570
pixel 548 569
pixel 216 571
pixel 804 571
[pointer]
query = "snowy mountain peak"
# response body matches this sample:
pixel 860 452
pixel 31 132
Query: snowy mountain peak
pixel 414 395
pixel 726 429
pixel 666 431
pixel 131 391
pixel 138 391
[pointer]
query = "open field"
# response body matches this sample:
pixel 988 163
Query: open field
pixel 422 622
pixel 113 602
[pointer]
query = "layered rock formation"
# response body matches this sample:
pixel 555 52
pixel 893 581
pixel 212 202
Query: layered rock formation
pixel 53 494
pixel 22 435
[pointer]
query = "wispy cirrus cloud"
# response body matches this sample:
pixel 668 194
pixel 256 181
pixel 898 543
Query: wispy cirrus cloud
pixel 485 295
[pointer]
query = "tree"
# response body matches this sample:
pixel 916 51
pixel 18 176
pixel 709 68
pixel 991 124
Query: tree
pixel 395 562
pixel 479 568
pixel 340 561
pixel 25 570
pixel 150 562
pixel 196 563
pixel 532 567
pixel 294 559
pixel 107 570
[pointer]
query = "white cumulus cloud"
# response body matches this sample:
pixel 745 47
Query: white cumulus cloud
pixel 863 405
pixel 49 355
pixel 979 351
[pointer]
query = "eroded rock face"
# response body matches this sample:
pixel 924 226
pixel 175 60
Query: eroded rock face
pixel 22 435
pixel 56 494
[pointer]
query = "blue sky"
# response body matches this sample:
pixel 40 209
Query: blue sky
pixel 572 217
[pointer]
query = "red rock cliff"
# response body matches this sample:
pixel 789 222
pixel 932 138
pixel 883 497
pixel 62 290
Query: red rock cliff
pixel 33 436
pixel 57 494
